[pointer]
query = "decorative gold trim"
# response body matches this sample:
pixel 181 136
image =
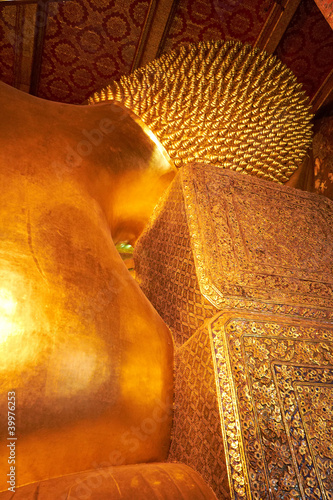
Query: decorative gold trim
pixel 202 233
pixel 245 448
pixel 230 422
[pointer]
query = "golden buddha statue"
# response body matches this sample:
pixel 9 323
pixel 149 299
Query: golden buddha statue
pixel 87 357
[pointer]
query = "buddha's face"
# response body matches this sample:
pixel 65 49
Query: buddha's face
pixel 127 173
pixel 136 197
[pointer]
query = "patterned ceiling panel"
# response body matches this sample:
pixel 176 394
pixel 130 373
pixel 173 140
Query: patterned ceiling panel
pixel 88 43
pixel 7 43
pixel 307 46
pixel 196 20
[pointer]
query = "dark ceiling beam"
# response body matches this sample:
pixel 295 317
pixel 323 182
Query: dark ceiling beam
pixel 324 94
pixel 40 30
pixel 276 24
pixel 17 2
pixel 24 62
pixel 21 39
pixel 18 44
pixel 154 32
pixel 144 34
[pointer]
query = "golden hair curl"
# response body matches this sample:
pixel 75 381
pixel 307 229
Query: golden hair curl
pixel 224 103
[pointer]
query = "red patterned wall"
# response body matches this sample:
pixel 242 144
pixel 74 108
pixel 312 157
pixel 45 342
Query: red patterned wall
pixel 89 42
pixel 217 19
pixel 307 46
pixel 7 43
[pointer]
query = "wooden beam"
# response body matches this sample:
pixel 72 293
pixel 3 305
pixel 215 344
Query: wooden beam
pixel 144 34
pixel 154 32
pixel 23 2
pixel 18 43
pixel 24 44
pixel 323 94
pixel 28 41
pixel 276 24
pixel 40 30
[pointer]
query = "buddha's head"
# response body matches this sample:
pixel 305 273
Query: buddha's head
pixel 223 103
